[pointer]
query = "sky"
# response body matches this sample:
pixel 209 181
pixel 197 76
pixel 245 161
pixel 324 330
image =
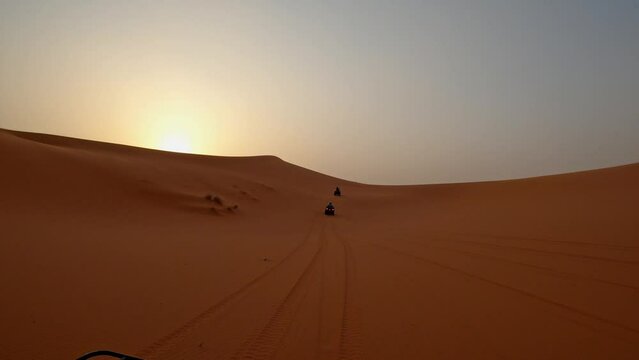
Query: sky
pixel 384 92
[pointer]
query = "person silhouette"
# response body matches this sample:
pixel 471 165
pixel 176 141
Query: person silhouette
pixel 330 209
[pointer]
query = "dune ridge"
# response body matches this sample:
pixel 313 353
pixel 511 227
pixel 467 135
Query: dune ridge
pixel 176 256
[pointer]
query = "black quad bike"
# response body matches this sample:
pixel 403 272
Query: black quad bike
pixel 107 353
pixel 330 211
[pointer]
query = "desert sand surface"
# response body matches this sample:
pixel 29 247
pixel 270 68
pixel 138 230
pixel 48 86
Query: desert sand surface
pixel 175 256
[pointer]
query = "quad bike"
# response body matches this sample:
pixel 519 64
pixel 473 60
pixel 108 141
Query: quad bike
pixel 330 211
pixel 107 353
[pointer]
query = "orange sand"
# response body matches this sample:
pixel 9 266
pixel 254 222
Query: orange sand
pixel 112 247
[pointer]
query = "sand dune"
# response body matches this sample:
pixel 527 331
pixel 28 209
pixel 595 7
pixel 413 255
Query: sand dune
pixel 174 256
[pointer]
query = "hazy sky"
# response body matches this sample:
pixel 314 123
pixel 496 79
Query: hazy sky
pixel 373 91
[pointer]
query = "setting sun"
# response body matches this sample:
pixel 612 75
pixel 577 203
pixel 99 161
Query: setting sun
pixel 176 143
pixel 178 126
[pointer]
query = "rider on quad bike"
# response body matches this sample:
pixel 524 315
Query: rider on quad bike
pixel 337 192
pixel 330 209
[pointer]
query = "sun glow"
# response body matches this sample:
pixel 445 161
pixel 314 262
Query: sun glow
pixel 176 142
pixel 177 126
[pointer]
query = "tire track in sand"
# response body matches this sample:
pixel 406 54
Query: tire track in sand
pixel 633 332
pixel 350 335
pixel 266 342
pixel 168 341
pixel 546 252
pixel 549 270
pixel 551 241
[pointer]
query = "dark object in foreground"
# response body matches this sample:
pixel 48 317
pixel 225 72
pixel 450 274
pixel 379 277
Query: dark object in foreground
pixel 330 209
pixel 108 353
